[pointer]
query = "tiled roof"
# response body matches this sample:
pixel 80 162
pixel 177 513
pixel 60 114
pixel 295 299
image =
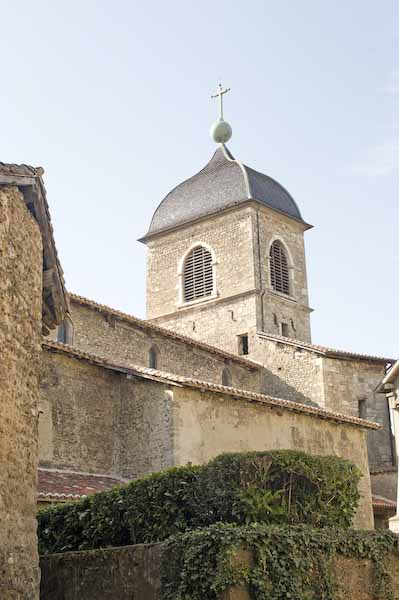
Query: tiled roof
pixel 224 182
pixel 147 326
pixel 323 350
pixel 381 502
pixel 69 485
pixel 179 380
pixel 32 187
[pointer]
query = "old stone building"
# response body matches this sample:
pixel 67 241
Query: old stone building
pixel 224 361
pixel 227 303
pixel 32 301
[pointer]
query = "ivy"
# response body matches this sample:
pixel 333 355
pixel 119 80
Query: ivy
pixel 281 487
pixel 282 562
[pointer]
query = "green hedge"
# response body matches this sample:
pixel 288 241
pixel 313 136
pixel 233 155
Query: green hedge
pixel 273 487
pixel 282 562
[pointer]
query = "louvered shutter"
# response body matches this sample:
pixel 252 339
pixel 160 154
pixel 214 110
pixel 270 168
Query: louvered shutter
pixel 198 274
pixel 279 274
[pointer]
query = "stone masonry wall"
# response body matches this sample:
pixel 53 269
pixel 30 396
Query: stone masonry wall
pixel 290 372
pixel 96 420
pixel 348 382
pixel 333 383
pixel 126 573
pixel 294 311
pixel 207 424
pixel 134 572
pixel 218 323
pixel 124 341
pixel 230 237
pixel 20 336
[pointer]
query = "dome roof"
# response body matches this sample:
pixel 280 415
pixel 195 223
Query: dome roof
pixel 222 183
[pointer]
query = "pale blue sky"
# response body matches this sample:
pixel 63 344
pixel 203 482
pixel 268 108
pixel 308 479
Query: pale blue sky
pixel 113 100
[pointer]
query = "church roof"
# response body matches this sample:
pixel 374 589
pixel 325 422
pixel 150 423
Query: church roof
pixel 324 350
pixel 168 333
pixel 181 381
pixel 224 182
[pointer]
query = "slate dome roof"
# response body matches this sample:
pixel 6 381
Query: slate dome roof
pixel 222 183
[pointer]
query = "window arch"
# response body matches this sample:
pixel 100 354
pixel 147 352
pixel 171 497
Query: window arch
pixel 153 357
pixel 279 270
pixel 226 377
pixel 198 280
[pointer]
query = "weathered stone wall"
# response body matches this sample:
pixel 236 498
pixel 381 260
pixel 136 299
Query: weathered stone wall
pixel 335 384
pixel 96 420
pixel 126 573
pixel 277 308
pixel 229 235
pixel 20 336
pixel 121 340
pixel 384 482
pixel 133 572
pixel 290 372
pixel 219 323
pixel 206 425
pixel 348 382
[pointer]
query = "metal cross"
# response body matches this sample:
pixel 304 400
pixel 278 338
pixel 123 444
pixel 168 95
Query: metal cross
pixel 219 94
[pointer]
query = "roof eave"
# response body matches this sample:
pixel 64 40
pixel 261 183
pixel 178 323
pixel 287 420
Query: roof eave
pixel 150 235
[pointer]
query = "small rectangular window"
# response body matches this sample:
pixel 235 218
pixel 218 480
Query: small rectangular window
pixel 285 331
pixel 362 409
pixel 243 344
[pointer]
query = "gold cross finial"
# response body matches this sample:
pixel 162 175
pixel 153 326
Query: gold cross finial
pixel 219 94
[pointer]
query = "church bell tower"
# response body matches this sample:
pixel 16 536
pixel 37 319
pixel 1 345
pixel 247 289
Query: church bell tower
pixel 226 255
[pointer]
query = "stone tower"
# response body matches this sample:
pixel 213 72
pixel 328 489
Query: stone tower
pixel 226 258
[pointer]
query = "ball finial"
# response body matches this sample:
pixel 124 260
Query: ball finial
pixel 221 132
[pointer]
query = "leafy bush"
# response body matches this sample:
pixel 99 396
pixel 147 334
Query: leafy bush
pixel 273 487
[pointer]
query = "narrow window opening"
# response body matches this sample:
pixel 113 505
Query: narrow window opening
pixel 285 330
pixel 226 377
pixel 61 333
pixel 243 347
pixel 153 356
pixel 197 274
pixel 279 273
pixel 362 409
pixel 65 332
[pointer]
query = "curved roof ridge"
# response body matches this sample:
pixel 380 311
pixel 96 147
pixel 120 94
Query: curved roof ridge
pixel 243 168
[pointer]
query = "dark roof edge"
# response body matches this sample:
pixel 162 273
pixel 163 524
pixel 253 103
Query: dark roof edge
pixel 147 325
pixel 180 381
pixel 236 206
pixel 323 350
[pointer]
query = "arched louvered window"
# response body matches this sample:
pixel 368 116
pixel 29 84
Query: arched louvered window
pixel 279 273
pixel 226 377
pixel 153 355
pixel 197 274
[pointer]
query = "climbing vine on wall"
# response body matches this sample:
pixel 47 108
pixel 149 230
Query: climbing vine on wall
pixel 276 562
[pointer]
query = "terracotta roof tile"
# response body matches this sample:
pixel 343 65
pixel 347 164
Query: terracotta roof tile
pixel 324 350
pixel 173 379
pixel 147 326
pixel 69 485
pixel 381 502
